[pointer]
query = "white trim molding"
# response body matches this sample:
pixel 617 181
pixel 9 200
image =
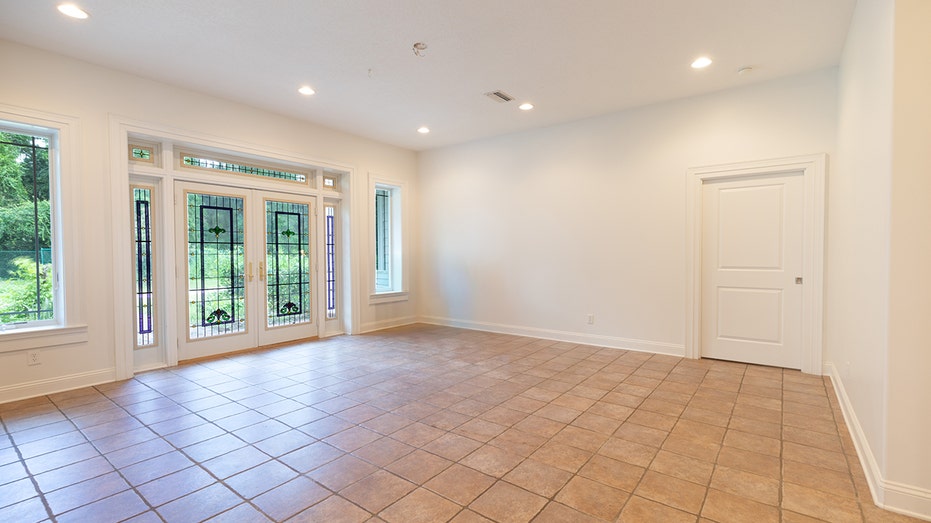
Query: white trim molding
pixel 57 384
pixel 888 495
pixel 611 342
pixel 813 168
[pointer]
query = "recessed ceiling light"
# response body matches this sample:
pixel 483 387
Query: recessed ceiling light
pixel 306 90
pixel 423 130
pixel 525 106
pixel 73 11
pixel 701 62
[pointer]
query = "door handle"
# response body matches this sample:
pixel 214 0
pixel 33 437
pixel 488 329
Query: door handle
pixel 261 271
pixel 249 274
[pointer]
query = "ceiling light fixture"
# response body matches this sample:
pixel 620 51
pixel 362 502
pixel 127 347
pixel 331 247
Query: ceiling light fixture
pixel 525 106
pixel 423 130
pixel 420 49
pixel 73 11
pixel 701 62
pixel 306 90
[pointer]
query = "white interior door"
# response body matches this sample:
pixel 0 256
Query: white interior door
pixel 244 269
pixel 751 270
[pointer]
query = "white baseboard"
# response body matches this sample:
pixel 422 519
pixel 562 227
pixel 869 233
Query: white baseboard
pixel 387 324
pixel 58 384
pixel 598 340
pixel 889 495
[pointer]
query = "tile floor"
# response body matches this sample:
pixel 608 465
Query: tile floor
pixel 426 423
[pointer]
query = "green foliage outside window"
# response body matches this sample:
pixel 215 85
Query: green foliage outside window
pixel 26 274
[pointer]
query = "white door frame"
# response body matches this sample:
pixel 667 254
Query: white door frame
pixel 812 168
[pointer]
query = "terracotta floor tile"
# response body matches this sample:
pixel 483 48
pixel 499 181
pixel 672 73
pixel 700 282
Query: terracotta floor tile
pixel 746 485
pixel 491 460
pixel 506 503
pixel 377 491
pixel 754 462
pixel 460 484
pixel 819 504
pixel 538 478
pixel 682 467
pixel 420 506
pixel 260 479
pixel 753 442
pixel 592 497
pixel 562 456
pixel 333 509
pixel 555 512
pixel 640 509
pixel 825 480
pixel 612 472
pixel 681 494
pixel 419 421
pixel 419 466
pixel 814 456
pixel 383 451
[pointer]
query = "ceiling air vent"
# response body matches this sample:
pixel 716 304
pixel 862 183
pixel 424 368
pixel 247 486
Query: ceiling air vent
pixel 499 96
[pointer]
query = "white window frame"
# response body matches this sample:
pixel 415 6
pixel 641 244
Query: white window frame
pixel 398 266
pixel 67 327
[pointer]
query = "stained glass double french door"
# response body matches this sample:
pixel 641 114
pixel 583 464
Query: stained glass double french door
pixel 245 269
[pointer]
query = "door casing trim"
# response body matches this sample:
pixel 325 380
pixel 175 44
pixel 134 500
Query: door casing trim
pixel 813 169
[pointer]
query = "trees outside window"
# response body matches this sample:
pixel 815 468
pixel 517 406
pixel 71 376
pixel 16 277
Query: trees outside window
pixel 27 272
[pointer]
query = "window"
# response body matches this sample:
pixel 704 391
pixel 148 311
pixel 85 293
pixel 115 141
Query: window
pixel 330 233
pixel 144 258
pixel 388 245
pixel 383 240
pixel 28 275
pixel 203 162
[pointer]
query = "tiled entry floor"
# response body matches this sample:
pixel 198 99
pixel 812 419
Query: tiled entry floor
pixel 425 423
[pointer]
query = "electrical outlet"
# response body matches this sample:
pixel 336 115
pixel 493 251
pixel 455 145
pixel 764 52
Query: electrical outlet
pixel 591 319
pixel 32 358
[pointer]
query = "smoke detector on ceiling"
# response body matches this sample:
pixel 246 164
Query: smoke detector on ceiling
pixel 499 96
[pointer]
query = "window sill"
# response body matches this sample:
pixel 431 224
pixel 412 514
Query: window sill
pixel 39 337
pixel 388 297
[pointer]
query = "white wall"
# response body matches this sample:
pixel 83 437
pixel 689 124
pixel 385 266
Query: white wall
pixel 41 81
pixel 530 232
pixel 857 253
pixel 909 360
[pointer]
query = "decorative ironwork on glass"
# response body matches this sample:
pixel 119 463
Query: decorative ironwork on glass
pixel 330 232
pixel 145 296
pixel 288 263
pixel 220 165
pixel 27 274
pixel 216 260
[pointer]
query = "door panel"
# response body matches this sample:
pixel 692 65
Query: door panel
pixel 286 271
pixel 247 279
pixel 751 257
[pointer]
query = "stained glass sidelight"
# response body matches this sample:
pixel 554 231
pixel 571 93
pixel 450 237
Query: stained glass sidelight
pixel 330 226
pixel 145 296
pixel 287 263
pixel 216 275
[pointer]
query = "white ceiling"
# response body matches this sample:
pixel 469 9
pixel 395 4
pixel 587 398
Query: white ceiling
pixel 571 58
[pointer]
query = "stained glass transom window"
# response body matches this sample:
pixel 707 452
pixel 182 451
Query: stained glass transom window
pixel 287 262
pixel 141 153
pixel 216 282
pixel 144 265
pixel 190 160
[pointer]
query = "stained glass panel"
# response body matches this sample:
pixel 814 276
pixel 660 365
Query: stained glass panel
pixel 287 263
pixel 216 282
pixel 145 296
pixel 330 226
